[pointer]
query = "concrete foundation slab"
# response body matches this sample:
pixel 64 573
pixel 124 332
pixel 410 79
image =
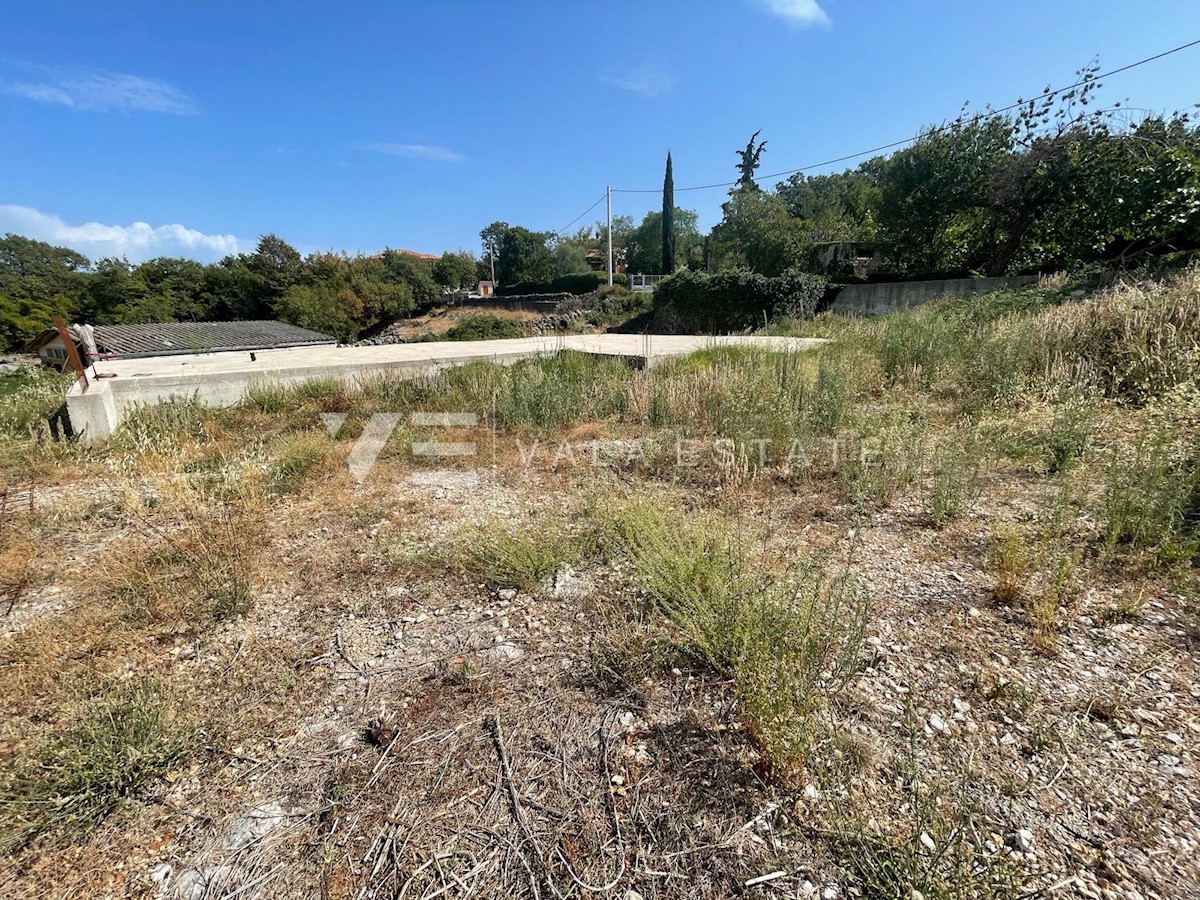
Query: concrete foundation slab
pixel 222 379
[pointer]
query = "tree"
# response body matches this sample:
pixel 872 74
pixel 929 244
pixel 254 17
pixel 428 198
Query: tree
pixel 757 233
pixel 644 245
pixel 492 236
pixel 570 253
pixel 179 281
pixel 277 263
pixel 455 271
pixel 417 273
pixel 668 220
pixel 835 207
pixel 749 164
pixel 115 294
pixel 35 270
pixel 23 320
pixel 523 257
pixel 934 204
pixel 622 232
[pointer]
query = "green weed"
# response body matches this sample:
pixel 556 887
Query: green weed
pixel 124 737
pixel 786 639
pixel 954 486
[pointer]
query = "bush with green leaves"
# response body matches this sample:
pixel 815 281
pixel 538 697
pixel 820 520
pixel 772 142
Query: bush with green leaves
pixel 954 481
pixel 736 299
pixel 485 328
pixel 578 283
pixel 1152 499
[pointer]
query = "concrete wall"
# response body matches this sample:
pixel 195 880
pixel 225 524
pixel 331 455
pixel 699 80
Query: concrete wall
pixel 881 299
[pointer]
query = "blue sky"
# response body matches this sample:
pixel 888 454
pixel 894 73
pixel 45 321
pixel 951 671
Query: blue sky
pixel 191 128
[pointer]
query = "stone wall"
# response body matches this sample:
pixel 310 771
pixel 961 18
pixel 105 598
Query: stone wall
pixel 881 299
pixel 543 303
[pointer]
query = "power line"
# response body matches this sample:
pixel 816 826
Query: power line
pixel 581 215
pixel 983 115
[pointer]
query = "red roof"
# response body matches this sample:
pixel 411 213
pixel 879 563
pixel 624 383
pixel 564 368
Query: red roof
pixel 414 253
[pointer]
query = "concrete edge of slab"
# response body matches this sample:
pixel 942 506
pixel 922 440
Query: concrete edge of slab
pixel 97 408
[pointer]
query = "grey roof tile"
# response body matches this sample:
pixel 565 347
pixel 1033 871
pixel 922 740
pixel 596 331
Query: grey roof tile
pixel 199 337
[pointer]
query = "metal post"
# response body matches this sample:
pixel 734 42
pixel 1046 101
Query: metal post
pixel 608 195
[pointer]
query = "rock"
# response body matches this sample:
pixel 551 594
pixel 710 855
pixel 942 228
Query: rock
pixel 830 892
pixel 193 884
pixel 505 651
pixel 807 890
pixel 567 584
pixel 1021 840
pixel 631 894
pixel 507 594
pixel 938 724
pixel 255 825
pixel 161 873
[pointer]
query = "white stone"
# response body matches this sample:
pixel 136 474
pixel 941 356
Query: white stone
pixel 1022 840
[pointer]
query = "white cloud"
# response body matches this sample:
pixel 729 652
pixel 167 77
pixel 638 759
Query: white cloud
pixel 138 241
pixel 414 151
pixel 647 82
pixel 94 90
pixel 800 13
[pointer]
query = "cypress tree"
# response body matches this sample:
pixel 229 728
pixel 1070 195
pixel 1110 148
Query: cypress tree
pixel 668 220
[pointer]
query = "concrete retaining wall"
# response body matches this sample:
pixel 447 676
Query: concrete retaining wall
pixel 881 299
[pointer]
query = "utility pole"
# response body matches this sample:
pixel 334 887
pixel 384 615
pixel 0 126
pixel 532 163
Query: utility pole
pixel 492 257
pixel 608 195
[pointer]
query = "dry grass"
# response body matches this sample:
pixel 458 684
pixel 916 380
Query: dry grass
pixel 201 545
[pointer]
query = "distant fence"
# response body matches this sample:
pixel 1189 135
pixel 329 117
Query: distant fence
pixel 881 299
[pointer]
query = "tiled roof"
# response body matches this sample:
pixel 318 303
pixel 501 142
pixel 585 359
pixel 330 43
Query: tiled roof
pixel 198 337
pixel 404 252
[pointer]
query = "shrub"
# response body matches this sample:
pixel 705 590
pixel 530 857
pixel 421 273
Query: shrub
pixel 28 398
pixel 508 556
pixel 785 639
pixel 561 390
pixel 736 299
pixel 577 283
pixel 954 488
pixel 886 459
pixel 1067 437
pixel 1009 564
pixel 161 428
pixel 1134 343
pixel 122 738
pixel 203 566
pixel 485 328
pixel 1152 499
pixel 295 456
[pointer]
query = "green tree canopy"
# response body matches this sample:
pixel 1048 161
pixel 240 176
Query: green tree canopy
pixel 644 245
pixel 523 257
